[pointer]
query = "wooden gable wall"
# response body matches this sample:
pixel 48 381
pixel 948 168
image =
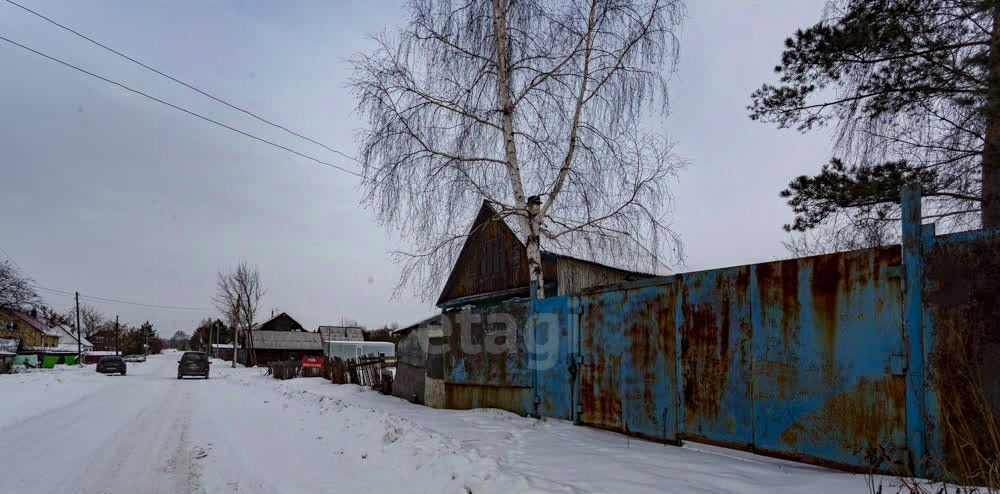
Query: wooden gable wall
pixel 493 259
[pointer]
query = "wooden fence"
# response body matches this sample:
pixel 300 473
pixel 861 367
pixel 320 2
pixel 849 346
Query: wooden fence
pixel 371 371
pixel 289 369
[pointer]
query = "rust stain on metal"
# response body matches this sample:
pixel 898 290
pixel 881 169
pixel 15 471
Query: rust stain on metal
pixel 705 353
pixel 858 418
pixel 826 285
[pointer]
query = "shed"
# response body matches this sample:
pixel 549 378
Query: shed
pixel 412 349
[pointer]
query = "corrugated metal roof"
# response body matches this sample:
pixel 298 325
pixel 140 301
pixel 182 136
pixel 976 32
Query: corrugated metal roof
pixel 341 333
pixel 287 340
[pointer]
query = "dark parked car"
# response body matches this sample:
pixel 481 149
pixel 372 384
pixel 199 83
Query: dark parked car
pixel 111 365
pixel 193 364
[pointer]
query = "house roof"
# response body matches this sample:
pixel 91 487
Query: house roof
pixel 67 336
pixel 286 340
pixel 551 251
pixel 35 323
pixel 283 315
pixel 434 320
pixel 341 333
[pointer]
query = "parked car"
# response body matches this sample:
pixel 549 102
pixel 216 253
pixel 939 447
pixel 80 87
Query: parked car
pixel 135 358
pixel 111 365
pixel 193 364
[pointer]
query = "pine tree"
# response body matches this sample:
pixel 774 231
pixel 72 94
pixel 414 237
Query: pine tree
pixel 913 88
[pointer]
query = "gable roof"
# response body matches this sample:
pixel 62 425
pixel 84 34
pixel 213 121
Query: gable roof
pixel 486 219
pixel 493 225
pixel 68 336
pixel 34 322
pixel 265 326
pixel 286 340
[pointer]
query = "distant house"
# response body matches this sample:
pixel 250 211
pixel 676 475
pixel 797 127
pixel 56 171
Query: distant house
pixel 105 340
pixel 418 363
pixel 68 340
pixel 281 322
pixel 283 338
pixel 31 331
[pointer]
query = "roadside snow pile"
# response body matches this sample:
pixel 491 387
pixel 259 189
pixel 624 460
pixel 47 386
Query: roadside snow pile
pixel 36 391
pixel 495 451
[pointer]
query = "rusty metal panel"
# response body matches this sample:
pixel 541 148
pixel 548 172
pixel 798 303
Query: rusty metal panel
pixel 716 332
pixel 962 315
pixel 601 348
pixel 628 371
pixel 486 357
pixel 829 353
pixel 553 358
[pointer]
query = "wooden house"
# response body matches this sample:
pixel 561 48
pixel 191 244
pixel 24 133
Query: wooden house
pixel 283 338
pixel 26 327
pixel 493 265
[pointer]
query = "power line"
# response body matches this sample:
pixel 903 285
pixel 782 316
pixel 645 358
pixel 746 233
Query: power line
pixel 185 84
pixel 125 302
pixel 185 110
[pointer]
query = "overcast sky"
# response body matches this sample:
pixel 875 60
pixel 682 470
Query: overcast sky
pixel 108 193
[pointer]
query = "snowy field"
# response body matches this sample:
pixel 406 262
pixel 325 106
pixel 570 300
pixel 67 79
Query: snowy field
pixel 72 430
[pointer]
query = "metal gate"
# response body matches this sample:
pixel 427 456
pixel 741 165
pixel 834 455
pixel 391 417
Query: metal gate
pixel 628 372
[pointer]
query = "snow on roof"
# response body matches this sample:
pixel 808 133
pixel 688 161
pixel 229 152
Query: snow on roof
pixel 434 320
pixel 286 340
pixel 9 344
pixel 67 336
pixel 341 333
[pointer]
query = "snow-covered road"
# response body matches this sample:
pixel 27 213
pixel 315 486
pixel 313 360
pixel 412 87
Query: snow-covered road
pixel 72 430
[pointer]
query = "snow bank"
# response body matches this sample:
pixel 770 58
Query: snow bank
pixel 491 450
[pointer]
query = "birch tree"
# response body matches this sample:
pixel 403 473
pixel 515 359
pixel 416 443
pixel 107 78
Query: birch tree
pixel 238 297
pixel 551 111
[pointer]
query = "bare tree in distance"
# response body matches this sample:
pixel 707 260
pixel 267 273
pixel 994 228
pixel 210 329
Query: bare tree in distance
pixel 91 319
pixel 17 291
pixel 238 297
pixel 540 108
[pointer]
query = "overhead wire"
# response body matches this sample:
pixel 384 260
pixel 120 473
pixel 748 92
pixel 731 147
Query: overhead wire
pixel 183 83
pixel 182 109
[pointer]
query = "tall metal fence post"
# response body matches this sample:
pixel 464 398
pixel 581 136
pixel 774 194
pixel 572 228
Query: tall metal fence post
pixel 912 249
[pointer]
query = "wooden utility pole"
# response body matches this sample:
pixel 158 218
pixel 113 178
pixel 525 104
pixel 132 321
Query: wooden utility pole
pixel 118 344
pixel 79 332
pixel 236 339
